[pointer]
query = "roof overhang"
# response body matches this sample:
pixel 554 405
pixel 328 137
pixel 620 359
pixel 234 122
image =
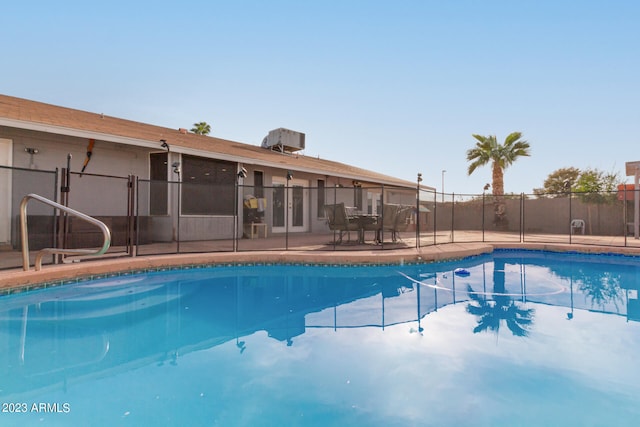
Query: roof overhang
pixel 154 145
pixel 80 133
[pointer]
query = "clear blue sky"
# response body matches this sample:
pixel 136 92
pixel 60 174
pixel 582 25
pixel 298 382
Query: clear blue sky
pixel 393 86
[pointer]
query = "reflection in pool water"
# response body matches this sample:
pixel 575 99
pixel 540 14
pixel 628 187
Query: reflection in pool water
pixel 527 338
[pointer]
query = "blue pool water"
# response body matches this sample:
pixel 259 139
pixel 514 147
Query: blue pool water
pixel 518 339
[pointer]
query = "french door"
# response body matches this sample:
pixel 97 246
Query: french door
pixel 290 206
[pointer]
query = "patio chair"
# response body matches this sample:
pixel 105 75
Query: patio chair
pixel 339 221
pixel 386 223
pixel 577 224
pixel 395 218
pixel 403 220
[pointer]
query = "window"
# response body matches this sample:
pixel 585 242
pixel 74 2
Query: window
pixel 278 205
pixel 158 187
pixel 258 184
pixel 357 197
pixel 373 203
pixel 320 211
pixel 208 186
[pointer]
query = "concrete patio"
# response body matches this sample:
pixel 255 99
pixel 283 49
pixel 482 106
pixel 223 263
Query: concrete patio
pixel 301 248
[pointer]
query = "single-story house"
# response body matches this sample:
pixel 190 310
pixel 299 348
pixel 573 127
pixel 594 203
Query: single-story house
pixel 35 136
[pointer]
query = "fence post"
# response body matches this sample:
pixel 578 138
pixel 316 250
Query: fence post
pixel 570 216
pixel 435 218
pixel 286 212
pixel 236 221
pixel 418 211
pixel 636 208
pixel 132 225
pixel 137 203
pixel 178 214
pixel 521 217
pixel 453 198
pixel 624 215
pixel 335 197
pixel 65 187
pixel 483 206
pixel 56 223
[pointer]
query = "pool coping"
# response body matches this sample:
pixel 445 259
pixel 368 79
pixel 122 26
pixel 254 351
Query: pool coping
pixel 17 280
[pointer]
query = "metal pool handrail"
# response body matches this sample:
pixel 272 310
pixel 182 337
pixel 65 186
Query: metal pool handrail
pixel 25 234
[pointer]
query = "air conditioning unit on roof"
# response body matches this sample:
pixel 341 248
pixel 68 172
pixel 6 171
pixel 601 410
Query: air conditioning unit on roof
pixel 284 140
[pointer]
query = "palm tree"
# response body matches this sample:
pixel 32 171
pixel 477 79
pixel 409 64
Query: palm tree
pixel 501 156
pixel 201 128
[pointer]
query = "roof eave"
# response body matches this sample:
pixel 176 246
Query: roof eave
pixel 83 133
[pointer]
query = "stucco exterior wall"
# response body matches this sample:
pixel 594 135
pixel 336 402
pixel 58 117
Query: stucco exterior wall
pixel 103 188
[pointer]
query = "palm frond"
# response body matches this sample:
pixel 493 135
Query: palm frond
pixel 512 138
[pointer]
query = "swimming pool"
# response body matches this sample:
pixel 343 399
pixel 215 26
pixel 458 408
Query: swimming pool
pixel 515 338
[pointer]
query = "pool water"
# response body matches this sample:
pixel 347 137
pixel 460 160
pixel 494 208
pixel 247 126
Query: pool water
pixel 515 338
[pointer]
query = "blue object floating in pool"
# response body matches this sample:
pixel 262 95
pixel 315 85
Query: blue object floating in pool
pixel 461 272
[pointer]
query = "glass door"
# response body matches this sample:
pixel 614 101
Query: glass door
pixel 290 206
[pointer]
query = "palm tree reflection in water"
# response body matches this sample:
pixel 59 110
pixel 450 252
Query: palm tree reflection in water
pixel 602 289
pixel 491 313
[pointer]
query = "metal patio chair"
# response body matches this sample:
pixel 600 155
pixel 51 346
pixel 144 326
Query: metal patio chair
pixel 339 221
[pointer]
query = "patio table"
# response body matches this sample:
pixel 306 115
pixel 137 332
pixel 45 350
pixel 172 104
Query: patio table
pixel 363 221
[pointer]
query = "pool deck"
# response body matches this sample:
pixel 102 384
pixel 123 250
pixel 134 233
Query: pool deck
pixel 16 279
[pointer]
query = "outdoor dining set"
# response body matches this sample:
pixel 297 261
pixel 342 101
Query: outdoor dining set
pixel 342 220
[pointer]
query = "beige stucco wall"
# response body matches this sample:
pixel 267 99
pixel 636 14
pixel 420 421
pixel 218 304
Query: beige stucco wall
pixel 539 215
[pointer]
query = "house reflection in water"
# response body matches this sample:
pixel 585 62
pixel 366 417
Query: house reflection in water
pixel 60 335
